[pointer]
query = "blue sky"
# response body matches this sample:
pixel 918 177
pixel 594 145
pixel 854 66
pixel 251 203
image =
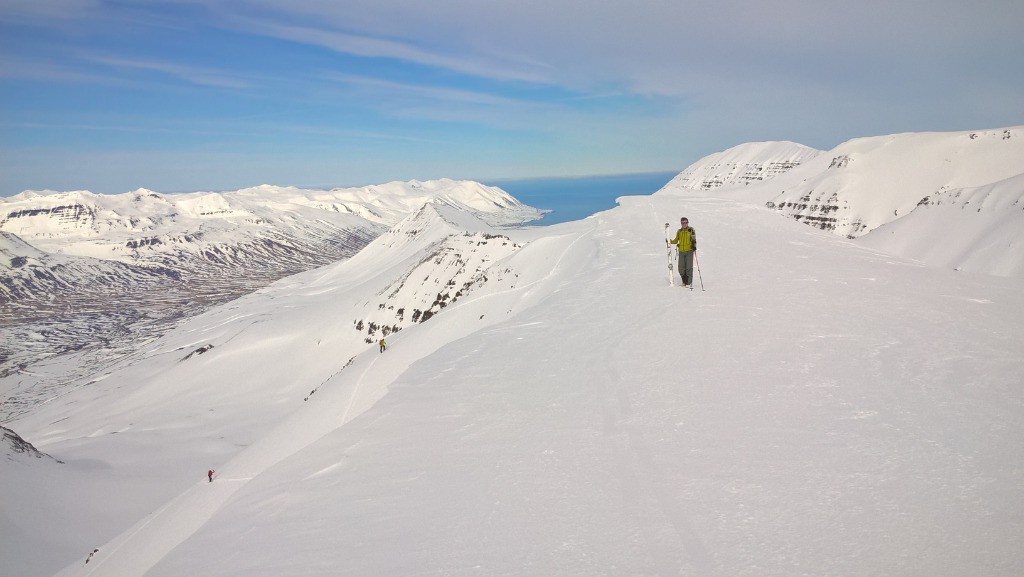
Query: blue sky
pixel 190 95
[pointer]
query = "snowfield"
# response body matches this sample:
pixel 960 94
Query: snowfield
pixel 822 408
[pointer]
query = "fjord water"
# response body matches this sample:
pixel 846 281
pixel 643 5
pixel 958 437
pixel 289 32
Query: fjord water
pixel 573 198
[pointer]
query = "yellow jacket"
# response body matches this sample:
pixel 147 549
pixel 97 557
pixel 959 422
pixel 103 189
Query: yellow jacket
pixel 686 238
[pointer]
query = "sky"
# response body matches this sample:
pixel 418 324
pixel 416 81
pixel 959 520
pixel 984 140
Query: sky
pixel 188 95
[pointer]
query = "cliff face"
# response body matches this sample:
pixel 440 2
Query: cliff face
pixel 868 182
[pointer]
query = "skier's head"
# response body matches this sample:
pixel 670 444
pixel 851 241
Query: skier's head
pixel 684 221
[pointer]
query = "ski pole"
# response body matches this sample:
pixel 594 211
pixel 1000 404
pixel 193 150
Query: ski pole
pixel 697 264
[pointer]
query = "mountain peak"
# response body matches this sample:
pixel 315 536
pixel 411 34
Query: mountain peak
pixel 743 164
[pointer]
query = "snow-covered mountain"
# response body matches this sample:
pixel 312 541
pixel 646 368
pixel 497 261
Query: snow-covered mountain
pixel 742 165
pixel 828 410
pixel 953 199
pixel 267 229
pixel 27 273
pixel 104 273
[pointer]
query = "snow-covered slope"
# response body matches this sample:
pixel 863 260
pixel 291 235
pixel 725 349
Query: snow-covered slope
pixel 27 272
pixel 977 229
pixel 742 165
pixel 866 183
pixel 103 273
pixel 829 410
pixel 872 181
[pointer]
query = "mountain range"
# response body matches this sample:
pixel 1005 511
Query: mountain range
pixel 266 231
pixel 97 275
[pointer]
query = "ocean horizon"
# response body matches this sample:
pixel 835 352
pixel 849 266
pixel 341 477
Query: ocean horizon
pixel 574 198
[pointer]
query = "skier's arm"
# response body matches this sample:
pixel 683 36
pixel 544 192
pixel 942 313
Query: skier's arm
pixel 693 239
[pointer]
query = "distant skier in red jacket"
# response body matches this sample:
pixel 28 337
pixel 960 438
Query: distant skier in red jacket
pixel 210 475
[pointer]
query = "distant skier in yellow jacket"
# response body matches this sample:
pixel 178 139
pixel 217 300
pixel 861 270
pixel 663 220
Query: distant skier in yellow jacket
pixel 686 240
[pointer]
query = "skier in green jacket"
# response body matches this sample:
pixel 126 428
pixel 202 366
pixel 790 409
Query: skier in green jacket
pixel 686 240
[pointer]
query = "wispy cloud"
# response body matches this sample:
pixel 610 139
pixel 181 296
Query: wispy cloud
pixel 47 11
pixel 138 128
pixel 200 76
pixel 584 46
pixel 47 70
pixel 370 46
pixel 423 91
pixel 83 68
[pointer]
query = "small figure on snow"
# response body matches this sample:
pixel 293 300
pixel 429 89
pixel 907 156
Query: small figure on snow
pixel 383 345
pixel 686 240
pixel 210 474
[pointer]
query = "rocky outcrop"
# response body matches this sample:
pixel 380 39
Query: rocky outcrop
pixel 12 446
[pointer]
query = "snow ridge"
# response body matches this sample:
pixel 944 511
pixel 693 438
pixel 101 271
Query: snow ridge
pixel 866 183
pixel 12 445
pixel 742 165
pixel 872 181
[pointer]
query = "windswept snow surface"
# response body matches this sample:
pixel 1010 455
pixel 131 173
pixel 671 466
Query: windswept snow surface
pixel 978 229
pixel 821 409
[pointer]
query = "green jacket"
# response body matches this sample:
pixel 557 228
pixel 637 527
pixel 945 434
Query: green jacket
pixel 686 238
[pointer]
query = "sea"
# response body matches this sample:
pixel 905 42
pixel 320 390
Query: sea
pixel 575 198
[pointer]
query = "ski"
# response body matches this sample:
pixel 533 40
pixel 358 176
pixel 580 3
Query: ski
pixel 668 246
